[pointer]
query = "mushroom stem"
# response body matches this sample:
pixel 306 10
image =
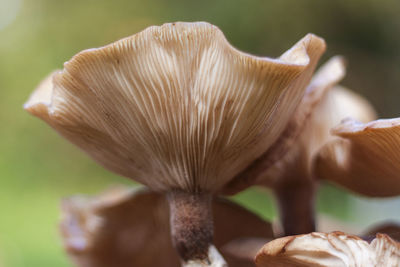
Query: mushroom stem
pixel 192 229
pixel 296 207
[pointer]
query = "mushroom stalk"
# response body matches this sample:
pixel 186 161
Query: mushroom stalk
pixel 192 229
pixel 296 207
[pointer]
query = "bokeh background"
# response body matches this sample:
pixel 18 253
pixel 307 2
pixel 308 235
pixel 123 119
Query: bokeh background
pixel 38 167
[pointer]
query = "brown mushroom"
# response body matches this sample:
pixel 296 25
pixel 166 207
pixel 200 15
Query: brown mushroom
pixel 335 249
pixel 178 109
pixel 99 232
pixel 366 159
pixel 287 166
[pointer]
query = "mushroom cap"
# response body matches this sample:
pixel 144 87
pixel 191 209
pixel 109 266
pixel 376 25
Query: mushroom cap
pixel 334 249
pixel 176 106
pixel 366 159
pixel 98 232
pixel 323 106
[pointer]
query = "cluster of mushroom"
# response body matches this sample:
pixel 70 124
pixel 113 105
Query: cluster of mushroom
pixel 181 111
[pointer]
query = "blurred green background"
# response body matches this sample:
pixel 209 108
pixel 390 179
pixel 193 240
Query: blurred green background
pixel 38 168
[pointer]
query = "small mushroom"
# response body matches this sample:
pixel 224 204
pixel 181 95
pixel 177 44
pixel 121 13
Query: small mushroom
pixel 99 232
pixel 366 158
pixel 334 249
pixel 178 109
pixel 287 166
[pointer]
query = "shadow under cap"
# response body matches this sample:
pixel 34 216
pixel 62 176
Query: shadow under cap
pixel 392 229
pixel 176 106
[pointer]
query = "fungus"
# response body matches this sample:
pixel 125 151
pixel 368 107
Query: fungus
pixel 248 248
pixel 287 167
pixel 180 110
pixel 99 232
pixel 366 158
pixel 334 249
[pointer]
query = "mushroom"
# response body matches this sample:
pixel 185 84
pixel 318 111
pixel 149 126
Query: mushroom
pixel 365 159
pixel 248 248
pixel 334 249
pixel 99 232
pixel 177 108
pixel 287 167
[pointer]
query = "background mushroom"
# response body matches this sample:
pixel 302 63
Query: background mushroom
pixel 99 232
pixel 366 159
pixel 180 110
pixel 287 167
pixel 335 249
